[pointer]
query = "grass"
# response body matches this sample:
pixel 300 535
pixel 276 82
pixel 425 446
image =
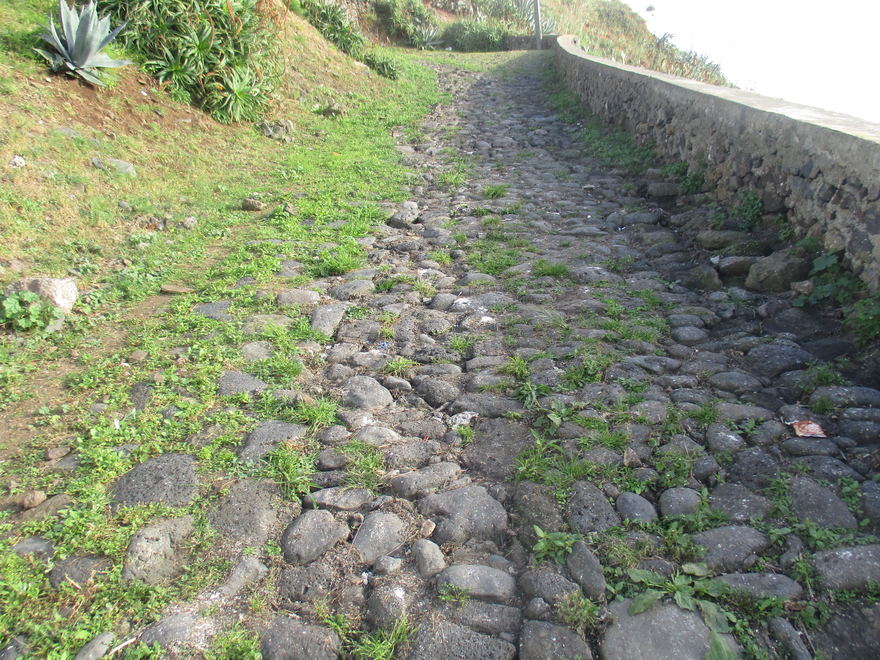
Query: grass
pixel 495 191
pixel 399 365
pixel 543 268
pixel 366 466
pixel 318 413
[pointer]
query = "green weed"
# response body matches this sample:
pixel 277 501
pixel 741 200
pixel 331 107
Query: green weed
pixel 495 191
pixel 555 546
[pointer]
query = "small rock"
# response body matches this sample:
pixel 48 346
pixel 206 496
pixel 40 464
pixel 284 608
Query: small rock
pixel 155 553
pixel 237 382
pixel 245 516
pixel 547 585
pixel 663 631
pixel 589 511
pixel 247 571
pixel 679 502
pixel 287 639
pixel 386 605
pixel 479 581
pixel 291 297
pixel 764 585
pixel 365 393
pixel 776 272
pixel 540 640
pixel 380 534
pixel 340 498
pixel 429 558
pixel 387 565
pixel 169 479
pixel 848 568
pixel 310 535
pixel 78 571
pixel 774 359
pixel 429 478
pixel 30 499
pixel 731 548
pixel 448 641
pixel 489 618
pixel 631 506
pixel 267 436
pixel 179 630
pixel 175 289
pixel 34 545
pixel 465 513
pixel 219 310
pixel 819 505
pixel 97 648
pixel 252 204
pixel 585 569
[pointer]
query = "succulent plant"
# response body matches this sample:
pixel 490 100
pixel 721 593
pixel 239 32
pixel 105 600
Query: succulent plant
pixel 77 50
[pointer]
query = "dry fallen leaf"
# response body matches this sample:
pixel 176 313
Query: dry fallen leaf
pixel 807 429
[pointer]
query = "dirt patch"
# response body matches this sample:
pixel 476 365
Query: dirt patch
pixel 46 385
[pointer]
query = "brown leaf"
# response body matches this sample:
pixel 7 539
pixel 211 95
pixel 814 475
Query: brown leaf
pixel 806 429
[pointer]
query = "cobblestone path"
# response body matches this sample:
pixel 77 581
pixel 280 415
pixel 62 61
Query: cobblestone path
pixel 581 415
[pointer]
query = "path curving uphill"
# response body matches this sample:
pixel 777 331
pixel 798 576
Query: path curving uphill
pixel 582 421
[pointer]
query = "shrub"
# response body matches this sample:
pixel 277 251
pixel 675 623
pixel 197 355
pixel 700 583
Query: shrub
pixel 218 55
pixel 472 36
pixel 335 26
pixel 407 19
pixel 382 65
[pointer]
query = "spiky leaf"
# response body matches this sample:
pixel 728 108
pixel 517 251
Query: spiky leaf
pixel 78 47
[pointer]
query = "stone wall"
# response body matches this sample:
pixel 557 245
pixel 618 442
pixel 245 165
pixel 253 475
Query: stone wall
pixel 820 168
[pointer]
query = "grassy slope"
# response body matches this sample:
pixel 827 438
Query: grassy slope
pixel 332 177
pixel 610 29
pixel 60 215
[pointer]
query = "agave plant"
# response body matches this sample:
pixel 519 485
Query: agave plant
pixel 426 37
pixel 77 50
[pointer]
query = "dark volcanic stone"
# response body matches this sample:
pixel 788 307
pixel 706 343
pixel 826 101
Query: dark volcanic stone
pixel 738 503
pixel 818 504
pixel 479 581
pixel 238 382
pixel 78 570
pixel 753 468
pixel 663 631
pixel 497 443
pixel 380 534
pixel 245 516
pixel 448 641
pixel 540 640
pixel 774 359
pixel 731 548
pixel 848 568
pixel 465 513
pixel 489 618
pixel 547 585
pixel 267 436
pixel 169 479
pixel 287 639
pixel 589 510
pixel 311 535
